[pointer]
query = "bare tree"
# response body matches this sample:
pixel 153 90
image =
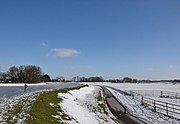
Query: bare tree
pixel 3 77
pixel 60 78
pixel 33 74
pixel 13 74
pixel 46 78
pixel 95 79
pixel 74 79
pixel 25 74
pixel 21 74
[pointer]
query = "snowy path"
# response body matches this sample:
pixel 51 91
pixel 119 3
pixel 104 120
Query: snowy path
pixel 84 108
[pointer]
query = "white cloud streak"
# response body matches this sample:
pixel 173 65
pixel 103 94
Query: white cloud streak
pixel 44 44
pixel 64 52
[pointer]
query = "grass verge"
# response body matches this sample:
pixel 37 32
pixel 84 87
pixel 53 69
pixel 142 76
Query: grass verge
pixel 45 109
pixel 101 103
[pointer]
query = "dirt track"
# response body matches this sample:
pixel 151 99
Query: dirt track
pixel 118 110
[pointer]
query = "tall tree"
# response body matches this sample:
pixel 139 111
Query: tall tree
pixel 46 78
pixel 60 79
pixel 13 74
pixel 96 79
pixel 3 77
pixel 33 74
pixel 21 74
pixel 127 80
pixel 26 74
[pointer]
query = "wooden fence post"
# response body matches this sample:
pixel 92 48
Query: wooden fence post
pixel 161 93
pixel 142 100
pixel 155 105
pixel 167 109
pixel 132 94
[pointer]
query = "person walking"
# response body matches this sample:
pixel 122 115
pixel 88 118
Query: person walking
pixel 25 87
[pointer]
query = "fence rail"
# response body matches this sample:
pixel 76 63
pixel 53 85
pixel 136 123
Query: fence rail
pixel 170 94
pixel 166 108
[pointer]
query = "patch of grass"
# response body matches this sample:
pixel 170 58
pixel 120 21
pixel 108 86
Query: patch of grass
pixel 101 104
pixel 46 106
pixel 17 111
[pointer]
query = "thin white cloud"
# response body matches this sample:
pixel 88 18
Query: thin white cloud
pixel 64 52
pixel 44 44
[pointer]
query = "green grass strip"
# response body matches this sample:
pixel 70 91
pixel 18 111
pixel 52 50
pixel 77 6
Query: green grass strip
pixel 45 106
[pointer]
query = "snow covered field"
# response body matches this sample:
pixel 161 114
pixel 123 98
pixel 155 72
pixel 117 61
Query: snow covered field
pixel 142 86
pixel 151 90
pixel 84 105
pixel 146 89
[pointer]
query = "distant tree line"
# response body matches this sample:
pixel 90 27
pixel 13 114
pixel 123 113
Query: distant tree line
pixel 124 80
pixel 101 79
pixel 95 79
pixel 79 79
pixel 156 81
pixel 130 80
pixel 34 74
pixel 90 79
pixel 24 74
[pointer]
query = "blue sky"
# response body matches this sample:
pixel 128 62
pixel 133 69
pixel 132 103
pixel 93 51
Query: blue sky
pixel 109 38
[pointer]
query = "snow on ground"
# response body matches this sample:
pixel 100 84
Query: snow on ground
pixel 146 89
pixel 82 106
pixel 24 101
pixel 134 107
pixel 13 95
pixel 142 86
